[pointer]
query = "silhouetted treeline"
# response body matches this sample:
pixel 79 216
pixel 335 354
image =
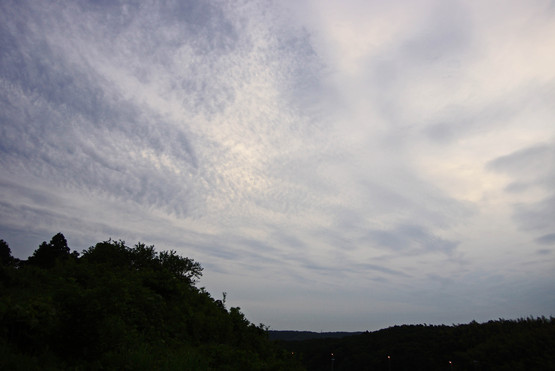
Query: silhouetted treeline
pixel 523 344
pixel 115 307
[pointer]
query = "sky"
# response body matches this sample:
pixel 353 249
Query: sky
pixel 333 165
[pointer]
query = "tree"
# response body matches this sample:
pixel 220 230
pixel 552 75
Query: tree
pixel 180 267
pixel 48 253
pixel 113 253
pixel 6 258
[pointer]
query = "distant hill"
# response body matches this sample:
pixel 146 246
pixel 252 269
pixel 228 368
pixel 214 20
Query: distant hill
pixel 307 335
pixel 522 344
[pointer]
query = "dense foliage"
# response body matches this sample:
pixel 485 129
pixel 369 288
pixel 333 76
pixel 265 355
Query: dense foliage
pixel 524 344
pixel 115 307
pixel 120 307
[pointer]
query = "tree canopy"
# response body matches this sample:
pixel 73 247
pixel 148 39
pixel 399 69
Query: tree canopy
pixel 120 307
pixel 48 254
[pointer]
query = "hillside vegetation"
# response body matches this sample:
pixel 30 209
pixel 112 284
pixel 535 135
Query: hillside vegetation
pixel 524 344
pixel 115 307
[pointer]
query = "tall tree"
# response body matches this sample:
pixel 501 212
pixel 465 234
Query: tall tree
pixel 6 257
pixel 48 253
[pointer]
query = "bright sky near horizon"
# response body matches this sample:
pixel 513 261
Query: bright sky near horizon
pixel 333 165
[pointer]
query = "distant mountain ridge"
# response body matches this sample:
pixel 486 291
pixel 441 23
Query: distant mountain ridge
pixel 288 335
pixel 521 344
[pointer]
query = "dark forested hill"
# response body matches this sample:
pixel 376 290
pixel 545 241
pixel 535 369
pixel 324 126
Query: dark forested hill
pixel 524 344
pixel 117 307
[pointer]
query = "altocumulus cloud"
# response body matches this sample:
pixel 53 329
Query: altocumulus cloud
pixel 335 166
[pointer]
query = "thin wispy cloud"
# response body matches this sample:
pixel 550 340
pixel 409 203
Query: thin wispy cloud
pixel 388 162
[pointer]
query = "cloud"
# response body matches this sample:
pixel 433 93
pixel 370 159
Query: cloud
pixel 411 239
pixel 536 216
pixel 547 239
pixel 526 163
pixel 532 171
pixel 130 131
